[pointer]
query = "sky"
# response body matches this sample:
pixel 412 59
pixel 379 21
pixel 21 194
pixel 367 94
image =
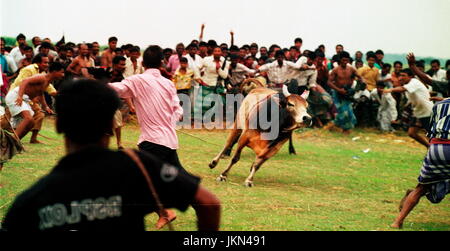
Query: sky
pixel 395 26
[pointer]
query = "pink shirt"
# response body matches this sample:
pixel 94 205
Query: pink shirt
pixel 173 64
pixel 157 106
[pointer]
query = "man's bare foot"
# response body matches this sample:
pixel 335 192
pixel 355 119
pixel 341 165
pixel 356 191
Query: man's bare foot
pixel 397 225
pixel 164 220
pixel 121 148
pixel 402 202
pixel 35 141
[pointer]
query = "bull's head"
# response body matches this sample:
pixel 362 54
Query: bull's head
pixel 296 107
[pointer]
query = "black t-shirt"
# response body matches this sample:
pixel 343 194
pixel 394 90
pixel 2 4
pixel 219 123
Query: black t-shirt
pixel 98 189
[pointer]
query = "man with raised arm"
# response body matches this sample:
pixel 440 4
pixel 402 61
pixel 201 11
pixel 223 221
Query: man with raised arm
pixel 437 85
pixel 419 97
pixel 434 179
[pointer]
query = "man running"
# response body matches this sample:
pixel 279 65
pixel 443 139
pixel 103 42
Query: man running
pixel 18 100
pixel 158 109
pixel 434 179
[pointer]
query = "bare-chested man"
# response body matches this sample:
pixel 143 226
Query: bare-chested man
pixel 340 80
pixel 39 65
pixel 109 54
pixel 31 89
pixel 95 54
pixel 79 65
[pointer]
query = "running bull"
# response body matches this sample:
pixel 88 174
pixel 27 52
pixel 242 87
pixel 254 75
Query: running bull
pixel 290 114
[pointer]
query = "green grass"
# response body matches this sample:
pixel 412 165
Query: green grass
pixel 322 188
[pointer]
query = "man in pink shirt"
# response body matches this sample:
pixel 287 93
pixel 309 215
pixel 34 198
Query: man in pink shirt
pixel 174 60
pixel 158 110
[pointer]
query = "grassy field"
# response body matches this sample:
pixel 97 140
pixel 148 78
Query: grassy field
pixel 332 184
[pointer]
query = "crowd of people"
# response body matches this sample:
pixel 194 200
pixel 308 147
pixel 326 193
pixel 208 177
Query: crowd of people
pixel 345 92
pixel 345 96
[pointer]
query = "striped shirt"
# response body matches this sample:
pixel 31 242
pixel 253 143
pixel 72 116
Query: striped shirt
pixel 440 121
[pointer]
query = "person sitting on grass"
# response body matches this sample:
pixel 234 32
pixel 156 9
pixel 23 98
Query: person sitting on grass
pixel 95 189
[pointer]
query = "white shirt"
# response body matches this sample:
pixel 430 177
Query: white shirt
pixel 295 73
pixel 277 74
pixel 307 78
pixel 195 64
pixel 362 93
pixel 211 75
pixel 197 61
pixel 51 53
pixel 387 103
pixel 129 68
pixel 388 76
pixel 440 75
pixel 238 73
pixel 16 55
pixel 419 97
pixel 12 66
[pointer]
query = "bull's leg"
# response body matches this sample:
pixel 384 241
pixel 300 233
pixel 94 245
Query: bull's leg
pixel 227 152
pixel 234 160
pixel 261 157
pixel 291 146
pixel 255 167
pixel 231 141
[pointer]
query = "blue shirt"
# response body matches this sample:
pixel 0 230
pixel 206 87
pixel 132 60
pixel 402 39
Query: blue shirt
pixel 4 64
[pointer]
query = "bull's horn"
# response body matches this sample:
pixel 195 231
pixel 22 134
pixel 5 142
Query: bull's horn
pixel 305 95
pixel 286 91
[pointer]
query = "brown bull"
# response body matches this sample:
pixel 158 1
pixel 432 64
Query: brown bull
pixel 293 114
